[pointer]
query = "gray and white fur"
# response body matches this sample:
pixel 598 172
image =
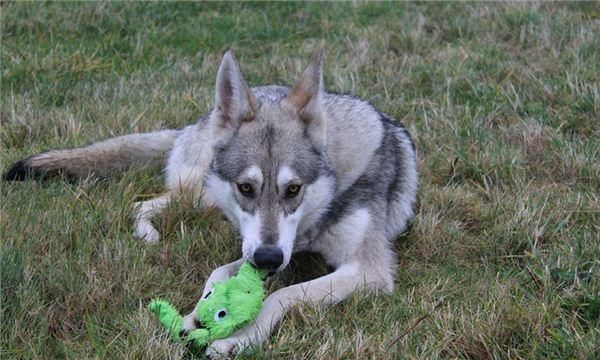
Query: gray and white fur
pixel 294 169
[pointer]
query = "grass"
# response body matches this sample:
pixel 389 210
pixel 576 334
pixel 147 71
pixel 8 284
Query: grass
pixel 502 101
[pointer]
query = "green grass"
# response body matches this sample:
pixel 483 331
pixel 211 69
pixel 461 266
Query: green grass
pixel 502 100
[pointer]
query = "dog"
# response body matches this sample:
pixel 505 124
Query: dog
pixel 292 168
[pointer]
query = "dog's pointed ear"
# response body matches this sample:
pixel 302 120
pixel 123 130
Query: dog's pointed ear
pixel 234 101
pixel 309 85
pixel 306 97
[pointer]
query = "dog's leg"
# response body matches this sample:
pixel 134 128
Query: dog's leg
pixel 219 274
pixel 144 212
pixel 328 289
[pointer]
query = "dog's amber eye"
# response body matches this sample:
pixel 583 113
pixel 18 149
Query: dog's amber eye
pixel 293 190
pixel 245 189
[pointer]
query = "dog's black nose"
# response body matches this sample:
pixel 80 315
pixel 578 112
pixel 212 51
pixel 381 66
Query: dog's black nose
pixel 268 257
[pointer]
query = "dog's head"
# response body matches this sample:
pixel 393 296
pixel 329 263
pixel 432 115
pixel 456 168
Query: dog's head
pixel 270 173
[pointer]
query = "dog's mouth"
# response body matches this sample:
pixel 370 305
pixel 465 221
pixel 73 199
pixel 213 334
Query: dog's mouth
pixel 270 271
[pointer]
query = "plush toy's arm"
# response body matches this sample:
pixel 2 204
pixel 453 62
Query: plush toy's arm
pixel 168 316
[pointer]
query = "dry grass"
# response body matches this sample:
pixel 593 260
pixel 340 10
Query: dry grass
pixel 502 101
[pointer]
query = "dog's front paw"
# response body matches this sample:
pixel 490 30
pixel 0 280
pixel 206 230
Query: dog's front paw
pixel 190 323
pixel 147 233
pixel 225 348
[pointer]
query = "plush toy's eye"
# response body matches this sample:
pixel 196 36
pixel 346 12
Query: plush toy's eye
pixel 220 314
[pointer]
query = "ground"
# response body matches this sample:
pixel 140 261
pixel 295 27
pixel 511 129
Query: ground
pixel 502 260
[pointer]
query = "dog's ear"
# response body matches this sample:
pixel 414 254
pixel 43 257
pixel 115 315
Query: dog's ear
pixel 306 96
pixel 234 101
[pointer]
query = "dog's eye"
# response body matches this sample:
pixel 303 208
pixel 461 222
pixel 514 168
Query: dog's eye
pixel 245 189
pixel 220 314
pixel 293 190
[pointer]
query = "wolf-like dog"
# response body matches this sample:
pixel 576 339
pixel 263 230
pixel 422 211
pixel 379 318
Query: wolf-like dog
pixel 294 169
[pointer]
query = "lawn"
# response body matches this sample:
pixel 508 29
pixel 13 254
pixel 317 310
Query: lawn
pixel 502 100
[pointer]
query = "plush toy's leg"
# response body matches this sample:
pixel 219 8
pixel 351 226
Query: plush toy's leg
pixel 199 337
pixel 219 274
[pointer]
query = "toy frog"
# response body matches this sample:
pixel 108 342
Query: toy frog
pixel 230 304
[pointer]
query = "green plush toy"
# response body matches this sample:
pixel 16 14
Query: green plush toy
pixel 230 304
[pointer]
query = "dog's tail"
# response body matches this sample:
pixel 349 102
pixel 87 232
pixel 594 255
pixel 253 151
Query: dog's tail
pixel 100 158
